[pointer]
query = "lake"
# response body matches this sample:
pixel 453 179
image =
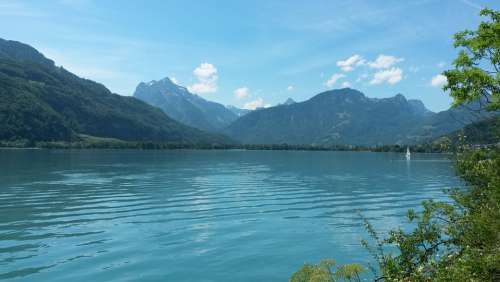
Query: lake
pixel 199 215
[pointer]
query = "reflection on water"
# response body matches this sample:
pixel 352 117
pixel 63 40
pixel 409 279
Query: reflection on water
pixel 198 215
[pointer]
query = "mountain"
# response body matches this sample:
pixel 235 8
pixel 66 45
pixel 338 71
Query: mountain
pixel 190 109
pixel 42 102
pixel 419 107
pixel 343 116
pixel 22 53
pixel 438 124
pixel 289 101
pixel 238 111
pixel 486 131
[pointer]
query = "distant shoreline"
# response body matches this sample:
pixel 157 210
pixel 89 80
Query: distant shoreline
pixel 420 148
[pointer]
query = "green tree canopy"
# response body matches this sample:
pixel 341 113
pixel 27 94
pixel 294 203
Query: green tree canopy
pixel 476 77
pixel 457 240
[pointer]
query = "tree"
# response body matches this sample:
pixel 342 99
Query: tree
pixel 457 240
pixel 476 77
pixel 452 241
pixel 327 271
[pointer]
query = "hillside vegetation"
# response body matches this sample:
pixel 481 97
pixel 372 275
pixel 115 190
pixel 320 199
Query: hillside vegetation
pixel 42 102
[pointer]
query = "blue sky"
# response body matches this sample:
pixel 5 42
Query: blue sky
pixel 251 53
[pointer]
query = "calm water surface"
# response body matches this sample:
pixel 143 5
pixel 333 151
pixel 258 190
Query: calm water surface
pixel 198 215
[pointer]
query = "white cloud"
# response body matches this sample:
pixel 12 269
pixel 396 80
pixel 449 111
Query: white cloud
pixel 439 80
pixel 346 84
pixel 257 103
pixel 242 92
pixel 333 79
pixel 441 65
pixel 350 63
pixel 289 88
pixel 205 71
pixel 384 62
pixel 174 80
pixel 207 79
pixel 391 76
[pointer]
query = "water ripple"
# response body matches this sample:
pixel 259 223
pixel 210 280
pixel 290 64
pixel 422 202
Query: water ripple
pixel 191 215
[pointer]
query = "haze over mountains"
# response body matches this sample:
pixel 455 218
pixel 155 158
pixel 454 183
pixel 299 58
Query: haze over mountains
pixel 42 102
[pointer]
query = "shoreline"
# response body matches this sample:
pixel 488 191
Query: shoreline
pixel 420 149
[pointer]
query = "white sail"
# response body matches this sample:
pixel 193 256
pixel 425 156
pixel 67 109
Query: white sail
pixel 408 154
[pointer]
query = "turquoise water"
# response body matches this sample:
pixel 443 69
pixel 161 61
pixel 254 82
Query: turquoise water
pixel 199 215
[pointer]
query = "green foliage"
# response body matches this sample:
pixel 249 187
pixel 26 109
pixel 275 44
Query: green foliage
pixel 327 271
pixel 456 241
pixel 91 142
pixel 476 76
pixel 459 240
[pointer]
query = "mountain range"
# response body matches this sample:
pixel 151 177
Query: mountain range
pixel 347 116
pixel 42 102
pixel 344 116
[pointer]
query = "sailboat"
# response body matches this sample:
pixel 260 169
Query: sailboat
pixel 408 155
